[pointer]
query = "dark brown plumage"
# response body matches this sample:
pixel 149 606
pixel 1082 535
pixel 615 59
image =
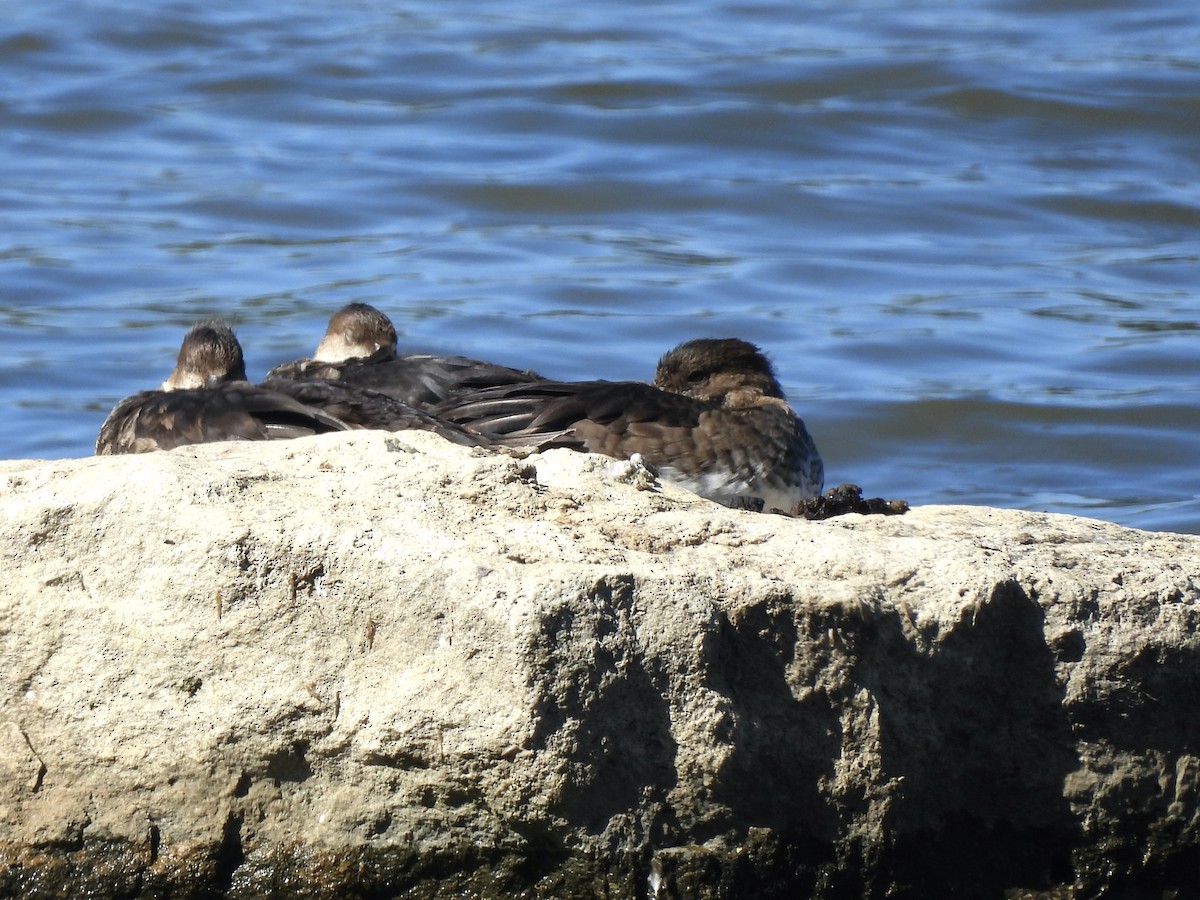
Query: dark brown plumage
pixel 163 420
pixel 356 330
pixel 362 408
pixel 206 398
pixel 209 355
pixel 715 421
pixel 359 349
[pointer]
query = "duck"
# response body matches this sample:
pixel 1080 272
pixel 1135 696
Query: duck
pixel 359 349
pixel 207 398
pixel 714 421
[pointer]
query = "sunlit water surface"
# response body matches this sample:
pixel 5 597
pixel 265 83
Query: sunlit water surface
pixel 967 233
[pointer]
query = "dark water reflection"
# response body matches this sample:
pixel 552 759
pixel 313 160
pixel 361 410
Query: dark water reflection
pixel 967 233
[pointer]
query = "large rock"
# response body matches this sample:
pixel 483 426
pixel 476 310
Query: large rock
pixel 368 665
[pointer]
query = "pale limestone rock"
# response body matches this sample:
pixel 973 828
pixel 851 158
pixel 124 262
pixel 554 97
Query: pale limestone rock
pixel 365 664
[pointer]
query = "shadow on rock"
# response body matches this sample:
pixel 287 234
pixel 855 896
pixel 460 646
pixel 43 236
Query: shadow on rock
pixel 976 744
pixel 782 737
pixel 600 709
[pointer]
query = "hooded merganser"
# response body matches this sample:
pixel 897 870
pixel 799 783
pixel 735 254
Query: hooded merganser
pixel 206 398
pixel 715 422
pixel 356 330
pixel 359 349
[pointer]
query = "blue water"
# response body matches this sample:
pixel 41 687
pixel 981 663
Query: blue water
pixel 966 232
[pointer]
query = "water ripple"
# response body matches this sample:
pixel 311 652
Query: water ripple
pixel 967 236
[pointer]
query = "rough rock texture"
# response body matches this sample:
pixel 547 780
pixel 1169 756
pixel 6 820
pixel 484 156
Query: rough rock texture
pixel 372 665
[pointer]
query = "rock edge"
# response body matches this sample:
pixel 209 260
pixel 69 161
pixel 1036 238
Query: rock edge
pixel 372 665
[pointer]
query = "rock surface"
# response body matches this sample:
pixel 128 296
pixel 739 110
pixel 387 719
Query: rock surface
pixel 367 665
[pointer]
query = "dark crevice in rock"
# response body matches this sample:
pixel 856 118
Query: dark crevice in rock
pixel 290 765
pixel 242 788
pixel 153 842
pixel 229 855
